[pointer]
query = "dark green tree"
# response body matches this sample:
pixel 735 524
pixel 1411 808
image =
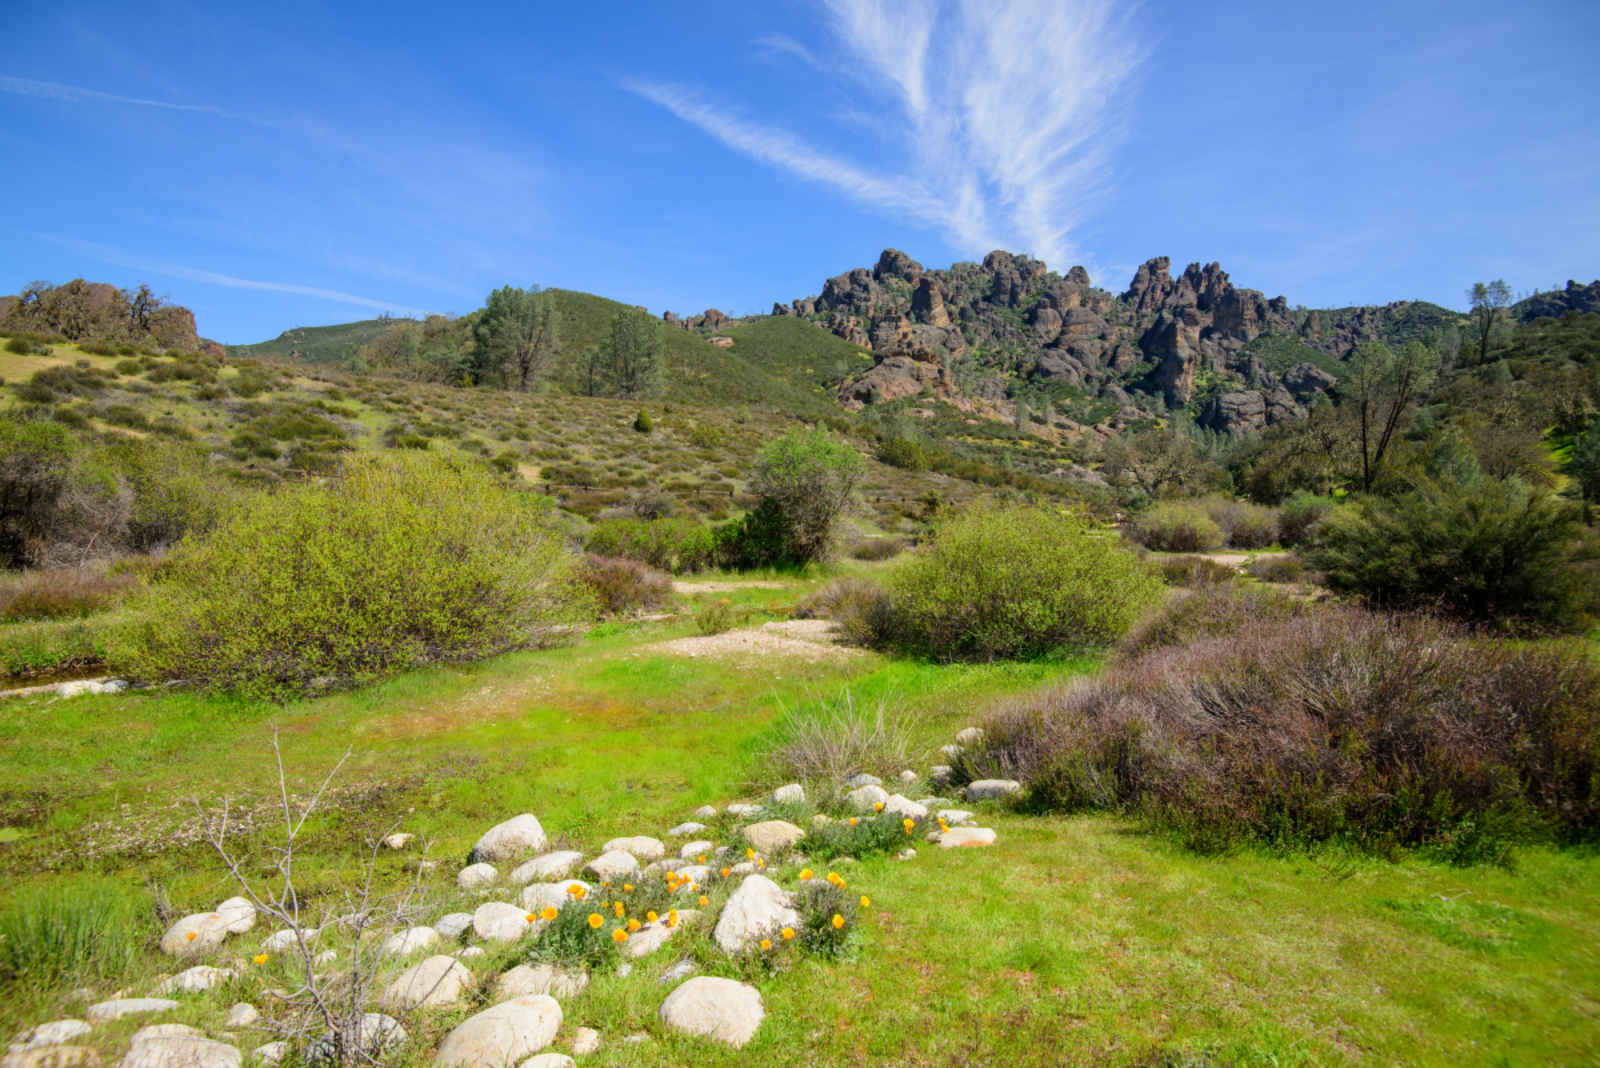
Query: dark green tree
pixel 806 480
pixel 516 336
pixel 1381 389
pixel 1489 301
pixel 632 355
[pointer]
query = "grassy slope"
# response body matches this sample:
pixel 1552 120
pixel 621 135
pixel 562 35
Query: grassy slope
pixel 315 344
pixel 1072 941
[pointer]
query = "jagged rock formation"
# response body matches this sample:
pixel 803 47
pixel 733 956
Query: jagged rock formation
pixel 977 334
pixel 1557 302
pixel 96 311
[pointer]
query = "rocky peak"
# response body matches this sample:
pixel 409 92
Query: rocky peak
pixel 896 264
pixel 1151 287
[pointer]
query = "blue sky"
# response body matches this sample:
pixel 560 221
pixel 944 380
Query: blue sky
pixel 297 164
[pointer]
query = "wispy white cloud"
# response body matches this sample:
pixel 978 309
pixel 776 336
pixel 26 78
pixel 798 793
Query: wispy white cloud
pixel 781 42
pixel 120 258
pixel 74 94
pixel 1007 114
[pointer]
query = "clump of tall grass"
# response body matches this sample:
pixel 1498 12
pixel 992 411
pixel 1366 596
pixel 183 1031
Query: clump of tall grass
pixel 83 929
pixel 620 586
pixel 832 740
pixel 62 592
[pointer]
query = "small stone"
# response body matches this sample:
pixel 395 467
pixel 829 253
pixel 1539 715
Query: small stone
pixel 472 953
pixel 821 819
pixel 195 980
pixel 243 1014
pixel 705 812
pixel 866 798
pixel 549 866
pixel 538 896
pixel 905 807
pixel 647 939
pixel 475 875
pixel 436 983
pixel 758 907
pixel 955 815
pixel 723 1009
pixel 906 854
pixel 940 774
pixel 585 1040
pixel 548 1060
pixel 195 935
pixel 271 1052
pixel 411 940
pixel 643 847
pixel 638 1038
pixel 858 781
pixel 515 837
pixel 792 794
pixel 950 751
pixel 54 1033
pixel 238 914
pixel 612 866
pixel 624 970
pixel 678 972
pixel 398 840
pixel 959 837
pixel 327 956
pixel 526 980
pixel 683 830
pixel 117 1008
pixel 992 789
pixel 453 925
pixel 969 736
pixel 739 808
pixel 499 921
pixel 691 850
pixel 771 837
pixel 908 776
pixel 427 865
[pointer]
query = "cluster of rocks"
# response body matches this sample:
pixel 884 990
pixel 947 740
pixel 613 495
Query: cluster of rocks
pixel 525 1015
pixel 1144 349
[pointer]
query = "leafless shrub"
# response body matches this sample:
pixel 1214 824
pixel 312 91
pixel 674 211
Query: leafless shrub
pixel 859 606
pixel 622 586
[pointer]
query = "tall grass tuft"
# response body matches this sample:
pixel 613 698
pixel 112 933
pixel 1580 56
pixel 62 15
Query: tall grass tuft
pixel 72 929
pixel 830 741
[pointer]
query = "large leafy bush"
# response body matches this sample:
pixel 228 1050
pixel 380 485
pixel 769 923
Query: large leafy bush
pixel 407 559
pixel 1016 581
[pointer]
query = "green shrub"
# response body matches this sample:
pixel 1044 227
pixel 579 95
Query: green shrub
pixel 859 606
pixel 714 617
pixel 29 648
pixel 1243 525
pixel 876 549
pixel 405 560
pixel 1176 528
pixel 903 453
pixel 1015 581
pixel 884 832
pixel 819 903
pixel 1300 515
pixel 1196 571
pixel 806 480
pixel 677 545
pixel 1499 551
pixel 1284 568
pixel 573 940
pixel 706 436
pixel 642 423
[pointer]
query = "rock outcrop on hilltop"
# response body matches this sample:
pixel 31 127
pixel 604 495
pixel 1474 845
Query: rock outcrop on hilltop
pixel 1557 302
pixel 95 311
pixel 974 333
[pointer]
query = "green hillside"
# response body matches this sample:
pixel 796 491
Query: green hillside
pixel 316 344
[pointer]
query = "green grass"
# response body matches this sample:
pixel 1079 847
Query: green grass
pixel 315 344
pixel 1073 940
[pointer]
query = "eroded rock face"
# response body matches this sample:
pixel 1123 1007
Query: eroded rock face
pixel 722 1009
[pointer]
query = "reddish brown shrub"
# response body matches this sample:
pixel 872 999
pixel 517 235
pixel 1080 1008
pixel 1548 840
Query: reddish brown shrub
pixel 623 586
pixel 1341 724
pixel 62 592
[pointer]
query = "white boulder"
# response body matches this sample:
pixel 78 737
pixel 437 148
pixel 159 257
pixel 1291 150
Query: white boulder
pixel 515 837
pixel 723 1009
pixel 503 1035
pixel 991 789
pixel 499 921
pixel 477 875
pixel 436 983
pixel 526 980
pixel 548 866
pixel 642 846
pixel 756 909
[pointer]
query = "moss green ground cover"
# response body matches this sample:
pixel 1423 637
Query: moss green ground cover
pixel 1081 940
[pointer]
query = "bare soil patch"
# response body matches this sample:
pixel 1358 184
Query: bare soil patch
pixel 814 640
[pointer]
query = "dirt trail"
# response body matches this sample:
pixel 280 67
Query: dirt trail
pixel 814 640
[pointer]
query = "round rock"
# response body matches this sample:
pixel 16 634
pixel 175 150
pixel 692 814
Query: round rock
pixel 992 789
pixel 194 980
pixel 611 865
pixel 555 865
pixel 792 794
pixel 162 1048
pixel 683 830
pixel 499 921
pixel 866 798
pixel 723 1009
pixel 526 980
pixel 536 896
pixel 758 907
pixel 642 846
pixel 453 925
pixel 411 940
pixel 771 837
pixel 438 982
pixel 54 1033
pixel 516 837
pixel 965 837
pixel 243 1014
pixel 117 1008
pixel 503 1035
pixel 195 935
pixel 238 914
pixel 475 875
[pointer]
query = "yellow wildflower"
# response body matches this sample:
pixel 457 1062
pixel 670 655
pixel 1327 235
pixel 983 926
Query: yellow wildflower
pixel 704 901
pixel 595 920
pixel 787 932
pixel 651 916
pixel 259 958
pixel 672 917
pixel 854 820
pixel 877 806
pixel 627 888
pixel 835 878
pixel 866 902
pixel 766 944
pixel 619 936
pixel 806 873
pixel 621 912
pixel 548 914
pixel 838 921
pixel 726 872
pixel 633 924
pixel 908 824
